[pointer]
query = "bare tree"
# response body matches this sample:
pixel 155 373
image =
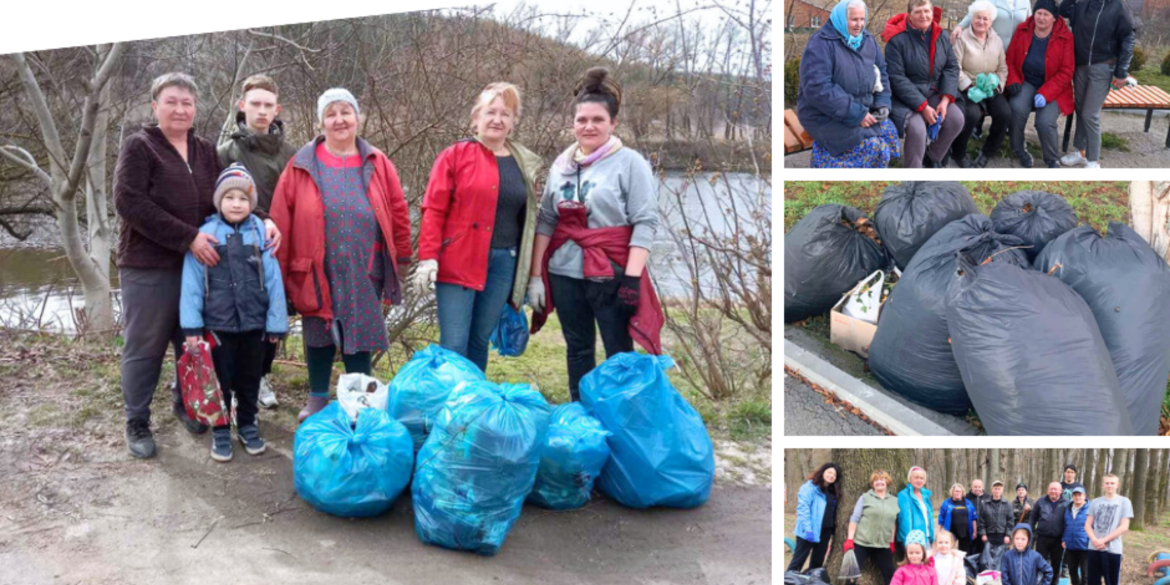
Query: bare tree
pixel 88 254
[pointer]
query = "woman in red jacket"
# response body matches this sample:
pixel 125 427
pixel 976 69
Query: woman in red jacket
pixel 1040 70
pixel 341 208
pixel 478 223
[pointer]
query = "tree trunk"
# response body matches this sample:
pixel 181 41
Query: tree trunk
pixel 856 466
pixel 949 466
pixel 1149 203
pixel 1013 472
pixel 792 479
pixel 1141 465
pixel 1098 471
pixel 1120 465
pixel 1163 481
pixel 995 473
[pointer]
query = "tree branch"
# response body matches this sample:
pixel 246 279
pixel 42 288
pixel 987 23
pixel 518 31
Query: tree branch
pixel 28 162
pixel 284 40
pixel 41 111
pixel 93 103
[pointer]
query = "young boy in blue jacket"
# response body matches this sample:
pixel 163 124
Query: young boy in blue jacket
pixel 239 300
pixel 1022 565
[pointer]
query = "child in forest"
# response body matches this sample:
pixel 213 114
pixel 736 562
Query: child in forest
pixel 916 570
pixel 239 301
pixel 948 560
pixel 1020 565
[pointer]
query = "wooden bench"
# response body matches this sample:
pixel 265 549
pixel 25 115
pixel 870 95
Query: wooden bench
pixel 1139 97
pixel 795 138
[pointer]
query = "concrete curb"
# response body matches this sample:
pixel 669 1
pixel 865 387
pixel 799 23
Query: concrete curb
pixel 882 409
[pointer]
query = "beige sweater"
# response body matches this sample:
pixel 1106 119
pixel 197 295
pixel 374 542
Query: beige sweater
pixel 975 57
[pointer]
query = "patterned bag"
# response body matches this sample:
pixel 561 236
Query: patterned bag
pixel 202 396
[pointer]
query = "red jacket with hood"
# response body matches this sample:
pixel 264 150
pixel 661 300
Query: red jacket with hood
pixel 1059 62
pixel 299 213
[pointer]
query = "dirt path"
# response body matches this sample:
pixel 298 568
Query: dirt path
pixel 74 508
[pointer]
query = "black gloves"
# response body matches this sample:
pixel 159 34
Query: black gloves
pixel 1013 90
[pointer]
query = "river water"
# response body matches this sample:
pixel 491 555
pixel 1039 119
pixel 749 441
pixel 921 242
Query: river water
pixel 38 288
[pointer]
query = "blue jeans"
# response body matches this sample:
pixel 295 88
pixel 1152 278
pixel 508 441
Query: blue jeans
pixel 467 317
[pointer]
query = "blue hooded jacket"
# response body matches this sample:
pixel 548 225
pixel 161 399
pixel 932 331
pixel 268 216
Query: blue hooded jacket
pixel 810 511
pixel 1075 537
pixel 910 516
pixel 243 292
pixel 944 513
pixel 836 89
pixel 1021 568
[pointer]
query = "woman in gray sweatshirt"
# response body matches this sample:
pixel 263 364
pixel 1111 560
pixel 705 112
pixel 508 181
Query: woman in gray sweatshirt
pixel 617 189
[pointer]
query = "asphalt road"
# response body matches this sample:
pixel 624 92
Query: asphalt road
pixel 806 413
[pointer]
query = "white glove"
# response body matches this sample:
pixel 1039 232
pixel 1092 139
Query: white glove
pixel 423 279
pixel 536 296
pixel 877 80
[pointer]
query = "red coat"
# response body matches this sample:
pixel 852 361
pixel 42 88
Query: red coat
pixel 459 214
pixel 602 245
pixel 1059 62
pixel 299 213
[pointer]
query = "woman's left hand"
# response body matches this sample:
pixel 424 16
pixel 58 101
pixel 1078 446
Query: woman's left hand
pixel 942 109
pixel 629 291
pixel 272 234
pixel 868 121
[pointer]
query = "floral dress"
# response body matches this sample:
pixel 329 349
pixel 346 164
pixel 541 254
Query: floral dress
pixel 354 260
pixel 874 152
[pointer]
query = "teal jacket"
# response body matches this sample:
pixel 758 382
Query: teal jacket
pixel 910 516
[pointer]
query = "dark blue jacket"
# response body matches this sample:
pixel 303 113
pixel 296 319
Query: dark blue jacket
pixel 1021 568
pixel 1075 537
pixel 836 89
pixel 1047 518
pixel 919 69
pixel 944 514
pixel 243 292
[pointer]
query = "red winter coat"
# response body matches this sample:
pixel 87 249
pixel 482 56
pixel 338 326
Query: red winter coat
pixel 299 213
pixel 1059 62
pixel 459 214
pixel 600 247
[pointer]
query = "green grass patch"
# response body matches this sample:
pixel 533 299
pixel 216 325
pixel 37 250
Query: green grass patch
pixel 750 419
pixel 1151 74
pixel 1095 203
pixel 1112 141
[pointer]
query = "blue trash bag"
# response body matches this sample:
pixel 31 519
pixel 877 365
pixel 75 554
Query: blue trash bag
pixel 351 471
pixel 661 454
pixel 510 337
pixel 420 389
pixel 574 453
pixel 478 465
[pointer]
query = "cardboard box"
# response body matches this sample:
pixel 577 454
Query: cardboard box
pixel 849 333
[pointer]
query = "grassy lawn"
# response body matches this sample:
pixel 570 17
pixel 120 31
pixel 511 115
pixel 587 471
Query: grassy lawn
pixel 1095 203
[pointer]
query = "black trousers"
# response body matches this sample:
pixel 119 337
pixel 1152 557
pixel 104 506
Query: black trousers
pixel 238 359
pixel 818 550
pixel 1103 565
pixel 1049 548
pixel 964 543
pixel 1001 117
pixel 1078 566
pixel 269 355
pixel 881 556
pixel 977 545
pixel 586 307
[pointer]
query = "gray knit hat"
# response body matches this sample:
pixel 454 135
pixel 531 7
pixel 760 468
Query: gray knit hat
pixel 336 94
pixel 235 177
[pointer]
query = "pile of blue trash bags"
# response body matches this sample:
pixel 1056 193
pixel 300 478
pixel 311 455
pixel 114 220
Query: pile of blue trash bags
pixel 488 448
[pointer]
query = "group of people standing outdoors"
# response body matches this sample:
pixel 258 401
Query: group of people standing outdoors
pixel 933 89
pixel 1060 529
pixel 223 243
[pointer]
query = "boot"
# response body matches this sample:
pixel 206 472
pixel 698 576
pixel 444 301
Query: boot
pixel 315 405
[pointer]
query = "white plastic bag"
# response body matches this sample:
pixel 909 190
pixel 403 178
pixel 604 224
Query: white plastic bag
pixel 358 391
pixel 988 578
pixel 863 301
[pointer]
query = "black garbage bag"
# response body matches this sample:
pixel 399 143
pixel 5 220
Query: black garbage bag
pixel 989 559
pixel 1031 355
pixel 1036 217
pixel 910 213
pixel 809 577
pixel 911 354
pixel 825 255
pixel 1126 285
pixel 971 563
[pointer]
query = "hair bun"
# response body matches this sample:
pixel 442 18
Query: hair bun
pixel 598 80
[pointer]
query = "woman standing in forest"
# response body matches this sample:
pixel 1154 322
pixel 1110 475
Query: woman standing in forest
pixel 341 208
pixel 816 516
pixel 596 225
pixel 915 512
pixel 958 516
pixel 873 525
pixel 478 225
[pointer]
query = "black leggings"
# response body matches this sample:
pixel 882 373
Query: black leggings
pixel 804 547
pixel 320 362
pixel 881 556
pixel 1001 116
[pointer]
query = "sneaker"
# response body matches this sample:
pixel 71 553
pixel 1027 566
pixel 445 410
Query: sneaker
pixel 267 397
pixel 980 161
pixel 1092 165
pixel 1052 164
pixel 221 444
pixel 1025 159
pixel 1073 159
pixel 249 436
pixel 193 426
pixel 139 439
pixel 315 405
